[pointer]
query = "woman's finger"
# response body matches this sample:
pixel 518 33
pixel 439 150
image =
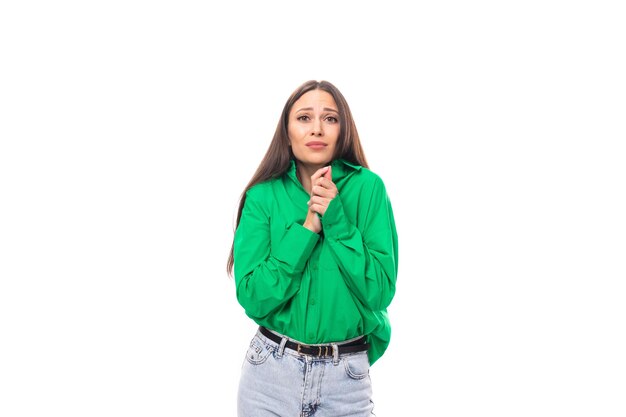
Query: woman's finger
pixel 323 192
pixel 325 182
pixel 319 173
pixel 325 187
pixel 318 208
pixel 319 200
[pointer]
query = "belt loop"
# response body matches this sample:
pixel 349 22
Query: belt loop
pixel 281 348
pixel 335 354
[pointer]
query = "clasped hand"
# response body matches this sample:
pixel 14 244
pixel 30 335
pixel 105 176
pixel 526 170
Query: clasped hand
pixel 323 190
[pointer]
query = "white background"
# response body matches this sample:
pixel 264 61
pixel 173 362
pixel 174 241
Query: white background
pixel 129 129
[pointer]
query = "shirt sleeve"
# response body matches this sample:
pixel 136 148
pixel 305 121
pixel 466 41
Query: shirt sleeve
pixel 367 256
pixel 266 279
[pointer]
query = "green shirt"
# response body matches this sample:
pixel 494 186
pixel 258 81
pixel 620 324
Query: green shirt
pixel 326 287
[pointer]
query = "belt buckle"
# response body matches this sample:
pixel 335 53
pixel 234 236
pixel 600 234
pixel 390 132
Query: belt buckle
pixel 319 350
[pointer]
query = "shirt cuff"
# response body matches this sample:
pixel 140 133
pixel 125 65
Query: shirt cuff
pixel 334 221
pixel 296 246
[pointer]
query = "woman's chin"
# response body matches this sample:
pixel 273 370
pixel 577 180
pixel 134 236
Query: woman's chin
pixel 320 162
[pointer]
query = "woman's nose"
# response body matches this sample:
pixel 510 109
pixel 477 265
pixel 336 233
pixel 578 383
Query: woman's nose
pixel 317 128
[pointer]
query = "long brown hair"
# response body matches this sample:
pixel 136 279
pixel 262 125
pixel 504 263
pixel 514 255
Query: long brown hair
pixel 277 158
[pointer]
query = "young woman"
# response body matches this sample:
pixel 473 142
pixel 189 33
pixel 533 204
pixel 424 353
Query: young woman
pixel 315 257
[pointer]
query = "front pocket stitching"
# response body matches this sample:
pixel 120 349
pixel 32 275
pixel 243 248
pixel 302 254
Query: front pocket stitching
pixel 257 346
pixel 350 373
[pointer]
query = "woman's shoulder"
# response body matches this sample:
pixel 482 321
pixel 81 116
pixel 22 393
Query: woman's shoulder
pixel 369 174
pixel 260 189
pixel 369 183
pixel 263 191
pixel 368 177
pixel 353 172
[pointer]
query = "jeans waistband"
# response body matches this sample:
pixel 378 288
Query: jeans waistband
pixel 358 344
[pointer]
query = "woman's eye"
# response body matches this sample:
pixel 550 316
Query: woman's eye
pixel 332 119
pixel 303 118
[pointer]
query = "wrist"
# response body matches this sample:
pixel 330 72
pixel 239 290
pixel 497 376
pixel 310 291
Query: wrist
pixel 312 222
pixel 310 226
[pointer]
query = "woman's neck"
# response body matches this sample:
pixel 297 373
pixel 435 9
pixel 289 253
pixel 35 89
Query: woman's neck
pixel 304 173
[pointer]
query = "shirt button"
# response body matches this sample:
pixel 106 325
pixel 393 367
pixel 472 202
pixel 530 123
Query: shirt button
pixel 311 336
pixel 312 301
pixel 315 266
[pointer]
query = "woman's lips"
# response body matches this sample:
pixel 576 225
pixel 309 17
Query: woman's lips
pixel 316 145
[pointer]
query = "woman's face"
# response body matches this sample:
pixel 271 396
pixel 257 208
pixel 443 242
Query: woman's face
pixel 313 128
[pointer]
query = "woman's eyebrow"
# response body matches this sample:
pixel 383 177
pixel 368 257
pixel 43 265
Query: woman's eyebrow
pixel 311 109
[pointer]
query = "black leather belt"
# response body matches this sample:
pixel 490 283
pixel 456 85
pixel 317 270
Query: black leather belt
pixel 358 345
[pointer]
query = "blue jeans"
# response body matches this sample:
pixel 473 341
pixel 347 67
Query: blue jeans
pixel 279 382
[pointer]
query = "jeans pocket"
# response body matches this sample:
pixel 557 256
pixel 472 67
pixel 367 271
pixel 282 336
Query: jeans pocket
pixel 357 365
pixel 257 352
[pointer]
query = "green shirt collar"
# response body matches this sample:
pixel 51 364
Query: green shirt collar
pixel 341 169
